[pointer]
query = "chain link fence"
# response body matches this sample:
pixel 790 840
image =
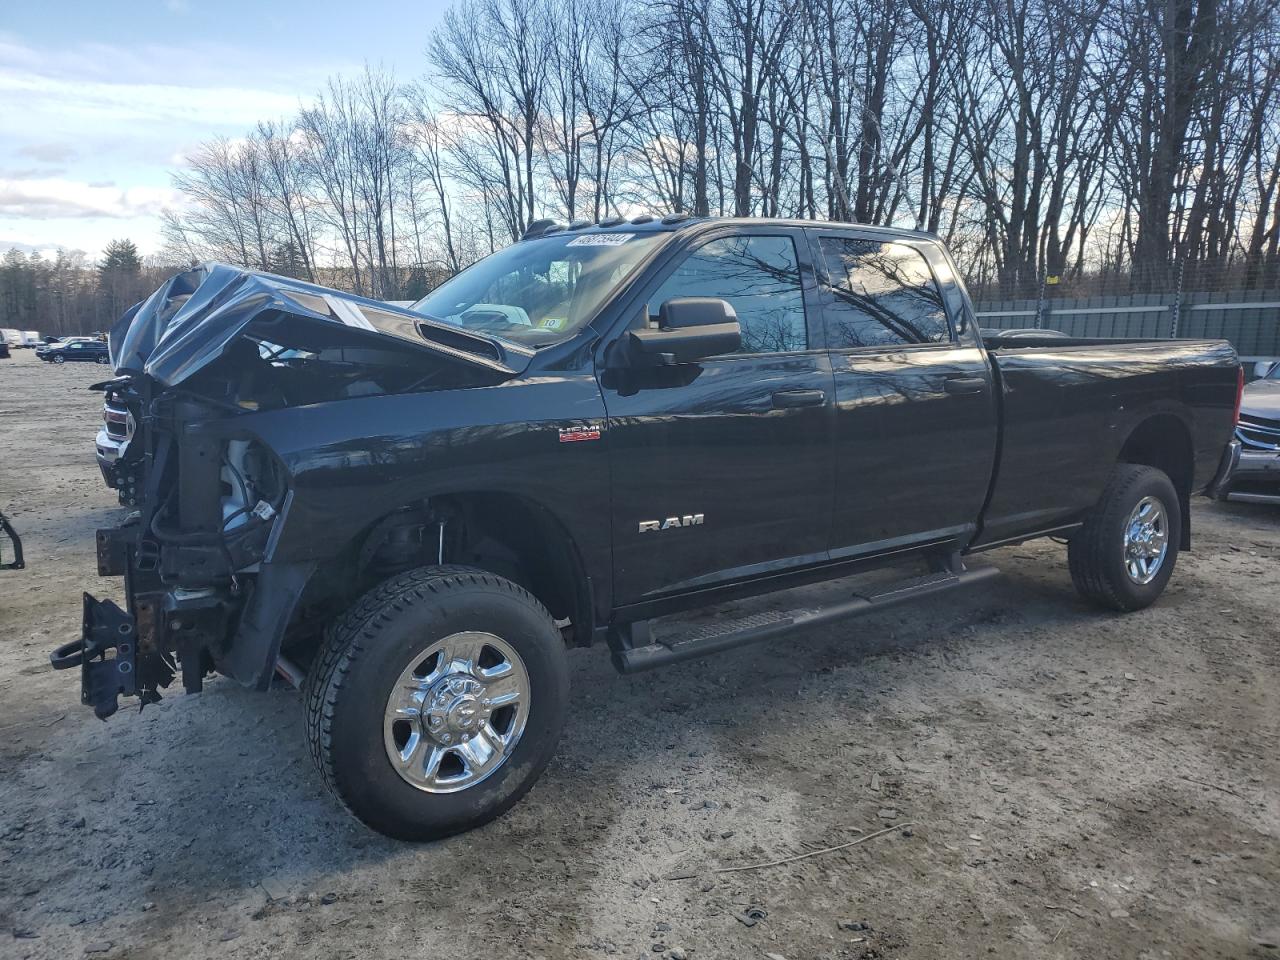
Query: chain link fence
pixel 1236 300
pixel 1221 275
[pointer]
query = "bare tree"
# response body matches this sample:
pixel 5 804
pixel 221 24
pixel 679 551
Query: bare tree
pixel 1136 138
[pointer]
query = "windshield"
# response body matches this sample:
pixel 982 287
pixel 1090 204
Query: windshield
pixel 539 291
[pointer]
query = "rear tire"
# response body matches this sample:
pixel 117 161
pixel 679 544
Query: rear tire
pixel 382 698
pixel 1124 555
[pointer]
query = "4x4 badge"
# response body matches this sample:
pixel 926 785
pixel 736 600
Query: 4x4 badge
pixel 575 434
pixel 688 520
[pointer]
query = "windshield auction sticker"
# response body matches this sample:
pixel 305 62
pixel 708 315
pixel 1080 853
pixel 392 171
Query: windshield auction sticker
pixel 600 240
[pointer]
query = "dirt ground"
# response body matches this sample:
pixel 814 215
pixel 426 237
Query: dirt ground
pixel 1059 782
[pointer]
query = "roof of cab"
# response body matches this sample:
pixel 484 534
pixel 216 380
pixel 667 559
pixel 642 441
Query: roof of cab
pixel 669 223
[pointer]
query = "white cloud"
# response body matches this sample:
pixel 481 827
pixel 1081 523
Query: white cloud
pixel 49 152
pixel 91 132
pixel 184 62
pixel 70 104
pixel 57 198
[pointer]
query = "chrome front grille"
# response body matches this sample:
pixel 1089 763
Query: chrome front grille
pixel 1260 433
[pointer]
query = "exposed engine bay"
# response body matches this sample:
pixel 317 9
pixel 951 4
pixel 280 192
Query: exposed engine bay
pixel 196 364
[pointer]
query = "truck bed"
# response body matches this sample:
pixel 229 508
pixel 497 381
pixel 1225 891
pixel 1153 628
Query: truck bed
pixel 1069 408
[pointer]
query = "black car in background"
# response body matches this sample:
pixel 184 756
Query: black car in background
pixel 53 343
pixel 4 350
pixel 93 351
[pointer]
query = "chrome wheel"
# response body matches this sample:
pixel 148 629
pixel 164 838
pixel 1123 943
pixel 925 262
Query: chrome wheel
pixel 456 712
pixel 1146 540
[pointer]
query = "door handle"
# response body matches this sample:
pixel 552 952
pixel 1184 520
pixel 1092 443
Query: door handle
pixel 798 398
pixel 965 385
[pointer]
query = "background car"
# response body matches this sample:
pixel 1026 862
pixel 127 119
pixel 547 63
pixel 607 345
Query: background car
pixel 52 342
pixel 4 350
pixel 1255 478
pixel 93 351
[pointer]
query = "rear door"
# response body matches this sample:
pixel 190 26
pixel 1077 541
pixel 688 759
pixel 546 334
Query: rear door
pixel 722 470
pixel 915 420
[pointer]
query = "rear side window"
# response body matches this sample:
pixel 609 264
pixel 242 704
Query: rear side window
pixel 882 294
pixel 759 277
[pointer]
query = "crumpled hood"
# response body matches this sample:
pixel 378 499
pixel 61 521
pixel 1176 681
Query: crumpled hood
pixel 190 321
pixel 1262 399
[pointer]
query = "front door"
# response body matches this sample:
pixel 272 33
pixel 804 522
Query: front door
pixel 722 469
pixel 915 431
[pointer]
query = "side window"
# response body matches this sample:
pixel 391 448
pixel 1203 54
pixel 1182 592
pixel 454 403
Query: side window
pixel 882 295
pixel 759 277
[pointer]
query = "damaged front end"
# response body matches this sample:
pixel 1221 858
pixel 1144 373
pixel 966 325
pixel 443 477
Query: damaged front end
pixel 197 366
pixel 207 498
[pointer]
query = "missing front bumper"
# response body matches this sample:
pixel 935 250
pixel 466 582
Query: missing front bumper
pixel 106 654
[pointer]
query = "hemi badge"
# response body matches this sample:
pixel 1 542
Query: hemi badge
pixel 573 436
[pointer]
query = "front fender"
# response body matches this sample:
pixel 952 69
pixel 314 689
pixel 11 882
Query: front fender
pixel 348 463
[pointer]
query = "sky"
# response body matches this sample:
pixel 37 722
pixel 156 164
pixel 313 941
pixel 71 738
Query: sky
pixel 100 99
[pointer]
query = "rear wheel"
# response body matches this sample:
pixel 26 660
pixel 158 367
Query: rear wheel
pixel 1125 554
pixel 437 701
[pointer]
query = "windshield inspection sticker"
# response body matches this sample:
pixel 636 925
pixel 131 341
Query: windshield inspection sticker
pixel 600 240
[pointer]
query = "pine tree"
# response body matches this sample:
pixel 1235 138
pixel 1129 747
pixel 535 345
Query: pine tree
pixel 118 276
pixel 285 260
pixel 120 257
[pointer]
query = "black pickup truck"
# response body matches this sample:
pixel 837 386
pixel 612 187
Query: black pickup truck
pixel 411 513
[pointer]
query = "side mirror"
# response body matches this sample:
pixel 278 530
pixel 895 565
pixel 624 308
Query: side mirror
pixel 689 329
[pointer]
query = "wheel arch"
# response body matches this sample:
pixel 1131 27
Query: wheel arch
pixel 1163 441
pixel 503 532
pixel 545 550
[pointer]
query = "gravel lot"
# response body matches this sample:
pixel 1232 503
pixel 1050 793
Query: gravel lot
pixel 1060 783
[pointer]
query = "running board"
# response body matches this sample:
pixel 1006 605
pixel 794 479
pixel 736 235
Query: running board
pixel 1253 497
pixel 758 627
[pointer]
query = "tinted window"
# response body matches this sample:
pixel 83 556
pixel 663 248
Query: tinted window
pixel 539 291
pixel 882 295
pixel 759 276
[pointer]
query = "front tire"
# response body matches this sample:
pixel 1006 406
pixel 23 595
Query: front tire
pixel 1124 555
pixel 437 701
pixel 59 359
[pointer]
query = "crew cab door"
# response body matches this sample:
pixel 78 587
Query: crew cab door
pixel 915 418
pixel 722 469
